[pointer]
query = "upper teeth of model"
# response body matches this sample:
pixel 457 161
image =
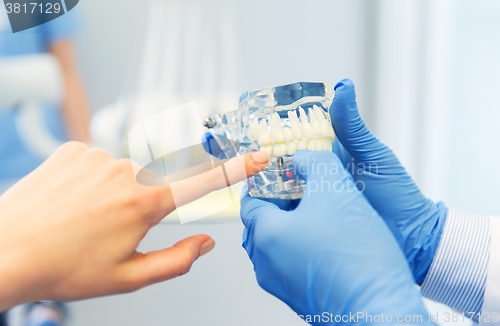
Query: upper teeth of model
pixel 315 133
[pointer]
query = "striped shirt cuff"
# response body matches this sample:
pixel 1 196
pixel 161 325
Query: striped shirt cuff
pixel 457 276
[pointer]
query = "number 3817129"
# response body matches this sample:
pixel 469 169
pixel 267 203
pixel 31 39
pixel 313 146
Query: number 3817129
pixel 33 8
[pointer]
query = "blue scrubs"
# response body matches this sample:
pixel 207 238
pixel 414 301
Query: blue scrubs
pixel 16 160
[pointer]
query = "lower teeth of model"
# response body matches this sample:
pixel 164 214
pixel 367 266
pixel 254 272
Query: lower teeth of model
pixel 314 134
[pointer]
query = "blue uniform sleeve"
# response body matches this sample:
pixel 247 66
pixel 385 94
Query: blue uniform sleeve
pixel 457 276
pixel 61 28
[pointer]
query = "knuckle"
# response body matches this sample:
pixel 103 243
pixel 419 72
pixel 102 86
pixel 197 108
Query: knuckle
pixel 124 165
pixel 122 168
pixel 185 264
pixel 98 154
pixel 183 270
pixel 72 147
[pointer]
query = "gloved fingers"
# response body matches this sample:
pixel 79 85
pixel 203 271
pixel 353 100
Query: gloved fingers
pixel 284 204
pixel 344 156
pixel 325 177
pixel 350 128
pixel 253 209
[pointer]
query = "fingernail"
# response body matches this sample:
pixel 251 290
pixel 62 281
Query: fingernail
pixel 207 247
pixel 261 157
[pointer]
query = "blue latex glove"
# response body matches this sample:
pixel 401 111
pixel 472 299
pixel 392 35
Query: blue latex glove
pixel 333 254
pixel 415 221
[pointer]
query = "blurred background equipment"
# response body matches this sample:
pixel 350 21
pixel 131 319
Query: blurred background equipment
pixel 27 82
pixel 43 103
pixel 188 53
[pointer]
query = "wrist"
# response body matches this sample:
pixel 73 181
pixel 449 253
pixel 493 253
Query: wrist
pixel 430 231
pixel 16 283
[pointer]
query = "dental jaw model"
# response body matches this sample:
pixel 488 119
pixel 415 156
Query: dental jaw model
pixel 280 120
pixel 314 134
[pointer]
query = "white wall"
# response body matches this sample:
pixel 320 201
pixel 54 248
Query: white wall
pixel 474 181
pixel 278 42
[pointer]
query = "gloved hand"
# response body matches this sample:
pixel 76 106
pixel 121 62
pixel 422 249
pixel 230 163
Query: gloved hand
pixel 333 255
pixel 415 221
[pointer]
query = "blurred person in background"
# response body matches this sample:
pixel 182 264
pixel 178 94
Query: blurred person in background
pixel 70 121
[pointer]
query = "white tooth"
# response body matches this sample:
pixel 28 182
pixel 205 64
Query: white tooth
pixel 312 115
pixel 319 145
pixel 275 122
pixel 315 123
pixel 267 149
pixel 264 140
pixel 326 145
pixel 332 132
pixel 287 133
pixel 320 114
pixel 316 128
pixel 276 136
pixel 311 144
pixel 297 133
pixel 294 120
pixel 303 115
pixel 291 148
pixel 276 133
pixel 253 130
pixel 325 128
pixel 307 130
pixel 301 145
pixel 279 150
pixel 263 127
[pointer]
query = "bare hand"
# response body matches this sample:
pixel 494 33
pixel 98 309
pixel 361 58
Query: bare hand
pixel 70 229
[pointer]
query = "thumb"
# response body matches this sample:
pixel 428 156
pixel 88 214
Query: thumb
pixel 162 265
pixel 253 208
pixel 350 128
